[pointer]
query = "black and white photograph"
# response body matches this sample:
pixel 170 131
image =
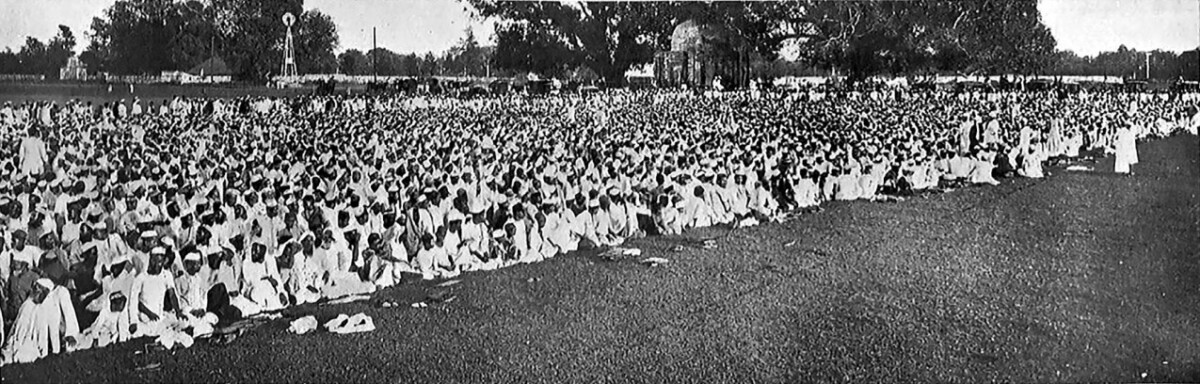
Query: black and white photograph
pixel 578 191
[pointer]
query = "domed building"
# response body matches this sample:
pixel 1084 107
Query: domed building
pixel 701 52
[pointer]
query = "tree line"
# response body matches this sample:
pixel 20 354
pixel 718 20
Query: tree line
pixel 861 38
pixel 465 58
pixel 38 58
pixel 605 39
pixel 1129 63
pixel 150 36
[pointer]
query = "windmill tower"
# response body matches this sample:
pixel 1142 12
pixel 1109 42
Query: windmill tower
pixel 289 53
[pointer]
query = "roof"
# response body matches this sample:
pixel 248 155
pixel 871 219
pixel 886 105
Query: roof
pixel 212 67
pixel 693 36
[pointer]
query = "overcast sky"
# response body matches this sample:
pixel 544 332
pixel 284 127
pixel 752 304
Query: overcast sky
pixel 1084 26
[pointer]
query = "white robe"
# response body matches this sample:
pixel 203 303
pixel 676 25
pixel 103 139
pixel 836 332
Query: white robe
pixel 33 156
pixel 1126 148
pixel 41 328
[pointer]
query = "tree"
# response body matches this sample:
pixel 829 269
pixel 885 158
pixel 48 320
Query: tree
pixel 865 38
pixel 98 55
pixel 316 39
pixel 32 56
pixel 521 48
pixel 608 38
pixel 1189 64
pixel 9 61
pixel 254 33
pixel 467 57
pixel 386 62
pixel 149 36
pixel 354 62
pixel 861 37
pixel 61 48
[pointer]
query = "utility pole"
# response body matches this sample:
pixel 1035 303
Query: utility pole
pixel 374 53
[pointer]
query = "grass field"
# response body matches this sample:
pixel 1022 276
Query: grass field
pixel 1081 277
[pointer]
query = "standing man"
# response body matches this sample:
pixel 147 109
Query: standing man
pixel 34 154
pixel 1126 148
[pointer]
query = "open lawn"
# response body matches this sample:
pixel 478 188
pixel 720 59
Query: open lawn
pixel 1081 277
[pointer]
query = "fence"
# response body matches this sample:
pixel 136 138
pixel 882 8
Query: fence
pixel 11 77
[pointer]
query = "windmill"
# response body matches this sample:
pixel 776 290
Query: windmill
pixel 289 53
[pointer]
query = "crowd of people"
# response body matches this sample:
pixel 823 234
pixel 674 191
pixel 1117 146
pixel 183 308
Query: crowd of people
pixel 126 220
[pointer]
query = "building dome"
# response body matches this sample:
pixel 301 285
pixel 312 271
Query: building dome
pixel 690 36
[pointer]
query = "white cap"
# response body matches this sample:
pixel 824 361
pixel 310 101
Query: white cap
pixel 193 256
pixel 45 283
pixel 150 233
pixel 158 251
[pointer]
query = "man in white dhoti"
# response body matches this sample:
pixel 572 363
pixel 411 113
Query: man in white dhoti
pixel 113 325
pixel 1031 161
pixel 152 291
pixel 45 324
pixel 260 282
pixel 34 154
pixel 1126 148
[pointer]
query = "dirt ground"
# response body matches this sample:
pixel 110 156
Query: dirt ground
pixel 1080 277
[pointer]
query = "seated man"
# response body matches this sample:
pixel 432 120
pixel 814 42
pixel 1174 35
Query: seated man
pixel 984 164
pixel 154 293
pixel 301 271
pixel 1031 161
pixel 556 231
pixel 45 324
pixel 114 325
pixel 335 281
pixel 260 284
pixel 669 220
pixel 762 203
pixel 845 183
pixel 959 167
pixel 190 285
pixel 432 259
pixel 805 190
pixel 20 285
pixel 387 261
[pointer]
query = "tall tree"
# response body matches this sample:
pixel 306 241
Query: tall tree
pixel 148 36
pixel 608 38
pixel 860 37
pixel 522 48
pixel 32 56
pixel 354 62
pixel 60 49
pixel 9 61
pixel 98 55
pixel 467 57
pixel 316 39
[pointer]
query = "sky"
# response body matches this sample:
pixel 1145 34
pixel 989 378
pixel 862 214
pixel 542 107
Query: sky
pixel 1090 26
pixel 1083 26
